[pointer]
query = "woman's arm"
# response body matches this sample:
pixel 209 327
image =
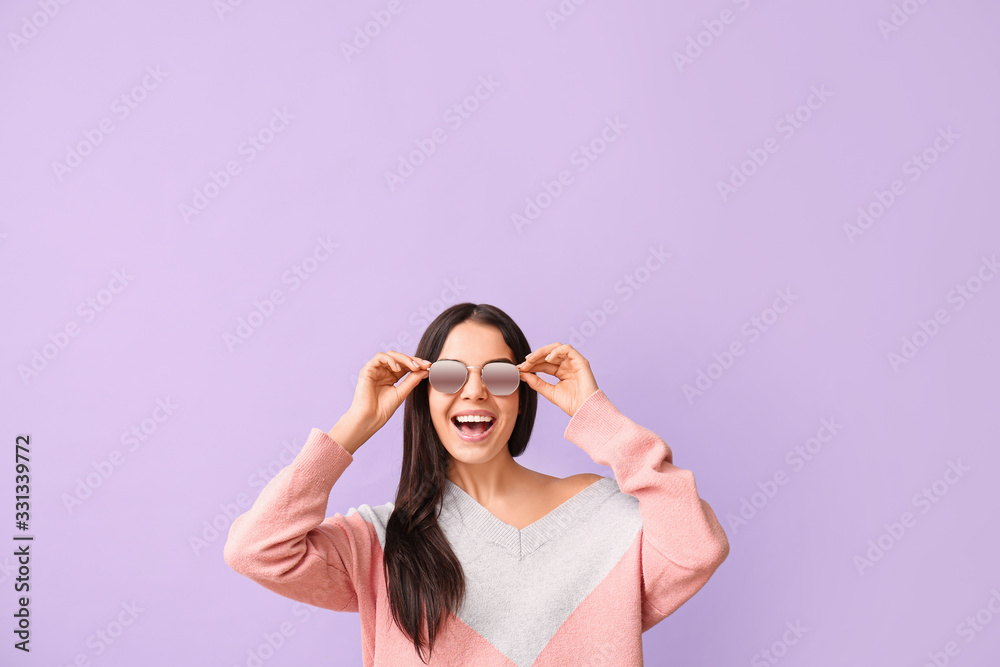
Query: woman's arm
pixel 683 542
pixel 285 543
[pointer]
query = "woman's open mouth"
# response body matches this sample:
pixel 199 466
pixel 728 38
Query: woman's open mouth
pixel 473 429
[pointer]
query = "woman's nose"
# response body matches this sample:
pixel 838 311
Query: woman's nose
pixel 474 385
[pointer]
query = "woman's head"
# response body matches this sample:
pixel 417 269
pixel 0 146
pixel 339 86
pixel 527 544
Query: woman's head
pixel 475 336
pixel 419 562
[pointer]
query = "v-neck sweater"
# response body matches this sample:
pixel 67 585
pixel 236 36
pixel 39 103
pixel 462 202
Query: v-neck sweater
pixel 521 543
pixel 578 586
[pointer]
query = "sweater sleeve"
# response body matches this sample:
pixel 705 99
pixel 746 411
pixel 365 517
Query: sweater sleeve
pixel 682 541
pixel 285 543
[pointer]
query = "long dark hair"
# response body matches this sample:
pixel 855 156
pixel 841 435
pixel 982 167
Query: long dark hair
pixel 424 578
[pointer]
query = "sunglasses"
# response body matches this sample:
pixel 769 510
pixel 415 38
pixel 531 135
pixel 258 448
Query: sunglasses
pixel 448 376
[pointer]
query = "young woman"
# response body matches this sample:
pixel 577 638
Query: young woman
pixel 479 559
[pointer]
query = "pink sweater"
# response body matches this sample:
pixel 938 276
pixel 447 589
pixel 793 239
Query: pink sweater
pixel 577 587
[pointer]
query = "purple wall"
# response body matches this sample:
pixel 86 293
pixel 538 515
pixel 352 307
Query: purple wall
pixel 784 206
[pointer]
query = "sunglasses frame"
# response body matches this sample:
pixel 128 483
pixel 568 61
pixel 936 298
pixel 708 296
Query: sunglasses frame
pixel 467 369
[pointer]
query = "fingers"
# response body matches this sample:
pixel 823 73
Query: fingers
pixel 550 358
pixel 411 381
pixel 538 384
pixel 555 352
pixel 565 351
pixel 386 359
pixel 413 363
pixel 538 367
pixel 396 360
pixel 542 351
pixel 537 361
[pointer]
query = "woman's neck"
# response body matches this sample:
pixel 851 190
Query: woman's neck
pixel 493 482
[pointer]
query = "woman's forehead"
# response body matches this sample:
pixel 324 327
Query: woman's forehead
pixel 475 343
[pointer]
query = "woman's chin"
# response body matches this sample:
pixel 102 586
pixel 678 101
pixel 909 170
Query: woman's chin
pixel 471 453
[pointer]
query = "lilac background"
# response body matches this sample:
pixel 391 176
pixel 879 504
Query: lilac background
pixel 447 233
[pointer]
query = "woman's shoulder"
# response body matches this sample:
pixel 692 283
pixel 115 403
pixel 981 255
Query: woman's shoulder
pixel 581 480
pixel 567 487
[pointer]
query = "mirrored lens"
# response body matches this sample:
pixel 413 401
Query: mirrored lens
pixel 447 376
pixel 501 378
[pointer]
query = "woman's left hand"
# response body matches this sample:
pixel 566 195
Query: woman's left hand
pixel 576 381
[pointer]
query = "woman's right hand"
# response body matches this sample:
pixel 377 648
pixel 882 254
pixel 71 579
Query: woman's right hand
pixel 377 396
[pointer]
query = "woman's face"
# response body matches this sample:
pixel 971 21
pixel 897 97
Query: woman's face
pixel 474 344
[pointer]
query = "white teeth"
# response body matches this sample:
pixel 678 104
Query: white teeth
pixel 473 418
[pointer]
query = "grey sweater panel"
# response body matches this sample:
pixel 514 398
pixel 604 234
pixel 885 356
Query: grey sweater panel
pixel 521 585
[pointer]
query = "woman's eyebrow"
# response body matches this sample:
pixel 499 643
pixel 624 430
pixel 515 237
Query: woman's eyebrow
pixel 509 361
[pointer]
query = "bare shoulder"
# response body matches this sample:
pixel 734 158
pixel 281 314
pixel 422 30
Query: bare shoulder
pixel 558 490
pixel 576 483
